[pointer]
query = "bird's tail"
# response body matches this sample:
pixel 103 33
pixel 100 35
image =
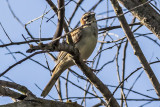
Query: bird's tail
pixel 56 73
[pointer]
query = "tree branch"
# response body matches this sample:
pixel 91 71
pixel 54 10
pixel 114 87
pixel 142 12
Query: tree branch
pixel 137 50
pixel 145 13
pixel 53 6
pixel 60 21
pixel 7 92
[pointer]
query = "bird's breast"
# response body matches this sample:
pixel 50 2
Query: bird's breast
pixel 86 45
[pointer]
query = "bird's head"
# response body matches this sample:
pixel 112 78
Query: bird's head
pixel 87 18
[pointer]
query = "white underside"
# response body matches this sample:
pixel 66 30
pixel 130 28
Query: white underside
pixel 87 44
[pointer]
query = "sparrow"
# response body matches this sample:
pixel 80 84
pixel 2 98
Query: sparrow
pixel 85 39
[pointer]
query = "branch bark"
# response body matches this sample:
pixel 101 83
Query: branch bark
pixel 147 15
pixel 5 91
pixel 28 99
pixel 111 101
pixel 60 20
pixel 41 103
pixel 56 10
pixel 137 50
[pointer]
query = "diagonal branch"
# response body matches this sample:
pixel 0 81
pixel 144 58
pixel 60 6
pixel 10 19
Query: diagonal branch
pixel 137 50
pixel 7 92
pixel 28 99
pixel 56 10
pixel 60 20
pixel 19 62
pixel 96 81
pixel 145 13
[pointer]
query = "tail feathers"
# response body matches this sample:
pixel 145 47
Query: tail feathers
pixel 56 73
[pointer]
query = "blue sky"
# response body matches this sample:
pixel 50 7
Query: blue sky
pixel 29 73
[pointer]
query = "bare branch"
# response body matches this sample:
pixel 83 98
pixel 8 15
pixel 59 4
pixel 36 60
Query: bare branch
pixel 60 20
pixel 19 62
pixel 145 13
pixel 7 92
pixel 137 50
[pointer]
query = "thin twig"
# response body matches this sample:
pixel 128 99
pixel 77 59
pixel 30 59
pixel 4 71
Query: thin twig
pixel 137 50
pixel 5 32
pixel 19 62
pixel 9 51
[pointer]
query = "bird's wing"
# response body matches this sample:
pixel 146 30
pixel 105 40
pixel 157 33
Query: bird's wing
pixel 61 55
pixel 76 36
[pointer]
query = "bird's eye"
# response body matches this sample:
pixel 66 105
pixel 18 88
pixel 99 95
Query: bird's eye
pixel 85 17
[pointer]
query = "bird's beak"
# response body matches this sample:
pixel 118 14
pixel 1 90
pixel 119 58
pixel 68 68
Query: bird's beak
pixel 82 22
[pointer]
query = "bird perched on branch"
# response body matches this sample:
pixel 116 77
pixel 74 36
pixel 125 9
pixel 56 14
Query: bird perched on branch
pixel 85 39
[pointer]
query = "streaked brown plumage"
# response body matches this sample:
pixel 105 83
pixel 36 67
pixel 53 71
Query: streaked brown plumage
pixel 85 39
